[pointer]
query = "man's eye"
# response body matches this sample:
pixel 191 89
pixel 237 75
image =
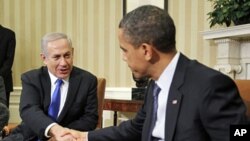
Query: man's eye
pixel 67 56
pixel 123 50
pixel 56 57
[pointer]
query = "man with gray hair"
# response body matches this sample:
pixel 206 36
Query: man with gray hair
pixel 56 96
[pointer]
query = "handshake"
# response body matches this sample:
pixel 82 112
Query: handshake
pixel 59 133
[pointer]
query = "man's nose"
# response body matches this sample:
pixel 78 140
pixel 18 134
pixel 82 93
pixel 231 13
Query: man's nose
pixel 63 61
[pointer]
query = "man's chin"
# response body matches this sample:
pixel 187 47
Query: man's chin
pixel 63 76
pixel 137 76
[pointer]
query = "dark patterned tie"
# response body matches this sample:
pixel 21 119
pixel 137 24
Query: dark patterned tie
pixel 55 102
pixel 156 92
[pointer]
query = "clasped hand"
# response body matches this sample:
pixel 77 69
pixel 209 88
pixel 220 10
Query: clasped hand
pixel 59 133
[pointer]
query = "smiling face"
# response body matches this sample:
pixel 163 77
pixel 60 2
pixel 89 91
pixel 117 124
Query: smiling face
pixel 59 58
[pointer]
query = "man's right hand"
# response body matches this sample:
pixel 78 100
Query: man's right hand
pixel 58 132
pixel 79 136
pixel 67 137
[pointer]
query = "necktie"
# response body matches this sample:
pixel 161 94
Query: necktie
pixel 156 92
pixel 55 101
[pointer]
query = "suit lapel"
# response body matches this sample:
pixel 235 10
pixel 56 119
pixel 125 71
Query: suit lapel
pixel 74 82
pixel 173 106
pixel 149 105
pixel 46 82
pixel 175 98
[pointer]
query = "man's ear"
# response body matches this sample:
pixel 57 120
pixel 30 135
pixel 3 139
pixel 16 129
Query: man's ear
pixel 72 51
pixel 147 50
pixel 43 57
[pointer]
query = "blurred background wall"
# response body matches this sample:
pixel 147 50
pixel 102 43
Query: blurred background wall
pixel 92 25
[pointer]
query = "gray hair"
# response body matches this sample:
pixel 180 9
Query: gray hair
pixel 53 37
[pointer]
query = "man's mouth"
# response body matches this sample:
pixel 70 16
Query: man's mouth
pixel 63 71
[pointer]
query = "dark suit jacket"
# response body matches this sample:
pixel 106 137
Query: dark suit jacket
pixel 4 112
pixel 79 111
pixel 207 103
pixel 7 53
pixel 2 92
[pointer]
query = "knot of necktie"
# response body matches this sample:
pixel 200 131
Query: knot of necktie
pixel 156 91
pixel 59 82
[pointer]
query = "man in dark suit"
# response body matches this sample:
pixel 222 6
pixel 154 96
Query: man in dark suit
pixel 192 102
pixel 7 53
pixel 78 94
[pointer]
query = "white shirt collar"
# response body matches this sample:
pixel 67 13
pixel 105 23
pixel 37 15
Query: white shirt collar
pixel 168 72
pixel 53 78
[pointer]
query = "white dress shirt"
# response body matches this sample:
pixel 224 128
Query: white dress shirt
pixel 64 91
pixel 164 82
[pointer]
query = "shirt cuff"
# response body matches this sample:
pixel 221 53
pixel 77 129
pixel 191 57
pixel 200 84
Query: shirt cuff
pixel 87 136
pixel 47 130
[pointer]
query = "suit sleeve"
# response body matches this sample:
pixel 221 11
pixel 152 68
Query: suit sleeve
pixel 129 130
pixel 31 110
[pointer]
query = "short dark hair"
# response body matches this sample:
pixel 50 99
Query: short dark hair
pixel 149 24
